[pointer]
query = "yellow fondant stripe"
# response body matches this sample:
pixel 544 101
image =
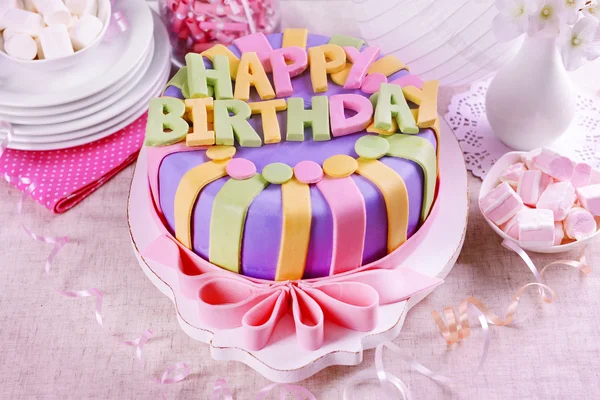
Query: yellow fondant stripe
pixel 412 94
pixel 228 218
pixel 387 65
pixel 421 151
pixel 295 37
pixel 185 197
pixel 428 107
pixel 295 232
pixel 395 195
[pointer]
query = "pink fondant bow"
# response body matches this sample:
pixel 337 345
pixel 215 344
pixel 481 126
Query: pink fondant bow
pixel 226 300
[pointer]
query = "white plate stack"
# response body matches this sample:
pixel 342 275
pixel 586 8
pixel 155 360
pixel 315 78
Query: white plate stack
pixel 108 90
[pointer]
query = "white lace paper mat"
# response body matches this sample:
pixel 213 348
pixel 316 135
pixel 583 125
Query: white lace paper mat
pixel 481 149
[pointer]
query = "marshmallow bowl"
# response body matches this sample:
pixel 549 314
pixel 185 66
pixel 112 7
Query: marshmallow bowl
pixel 535 218
pixel 58 44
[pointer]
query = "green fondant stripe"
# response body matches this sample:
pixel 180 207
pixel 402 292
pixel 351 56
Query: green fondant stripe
pixel 421 151
pixel 342 41
pixel 228 218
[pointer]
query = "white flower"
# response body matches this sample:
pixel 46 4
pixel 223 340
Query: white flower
pixel 546 18
pixel 580 43
pixel 592 10
pixel 570 10
pixel 512 19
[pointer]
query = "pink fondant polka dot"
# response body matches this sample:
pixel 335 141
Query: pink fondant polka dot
pixel 240 168
pixel 308 172
pixel 372 82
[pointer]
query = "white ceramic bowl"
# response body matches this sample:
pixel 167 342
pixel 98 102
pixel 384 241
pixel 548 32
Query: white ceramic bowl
pixel 493 179
pixel 104 14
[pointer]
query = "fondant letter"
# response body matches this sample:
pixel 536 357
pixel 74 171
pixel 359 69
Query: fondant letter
pixel 268 113
pixel 201 136
pixel 199 78
pixel 298 118
pixel 226 126
pixel 323 60
pixel 165 123
pixel 283 71
pixel 391 103
pixel 361 62
pixel 340 125
pixel 252 73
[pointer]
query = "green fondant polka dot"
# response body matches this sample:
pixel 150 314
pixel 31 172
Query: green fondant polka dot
pixel 371 147
pixel 277 173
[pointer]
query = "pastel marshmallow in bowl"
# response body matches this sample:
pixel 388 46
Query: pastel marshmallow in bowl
pixel 589 198
pixel 501 204
pixel 579 224
pixel 82 7
pixel 536 227
pixel 558 197
pixel 22 21
pixel 6 5
pixel 55 42
pixel 85 31
pixel 21 46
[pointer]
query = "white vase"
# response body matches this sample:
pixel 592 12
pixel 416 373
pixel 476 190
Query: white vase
pixel 531 102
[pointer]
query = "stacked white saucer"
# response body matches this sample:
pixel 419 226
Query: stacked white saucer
pixel 96 97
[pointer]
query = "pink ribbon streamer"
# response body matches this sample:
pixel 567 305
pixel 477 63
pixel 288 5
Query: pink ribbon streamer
pixel 173 374
pixel 139 343
pixel 221 391
pixel 93 292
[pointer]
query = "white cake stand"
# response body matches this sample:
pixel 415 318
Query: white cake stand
pixel 283 360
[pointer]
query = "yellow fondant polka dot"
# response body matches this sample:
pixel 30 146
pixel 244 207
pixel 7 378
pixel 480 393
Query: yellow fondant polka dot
pixel 340 166
pixel 220 153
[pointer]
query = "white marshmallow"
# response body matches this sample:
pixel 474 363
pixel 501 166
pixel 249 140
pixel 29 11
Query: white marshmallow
pixel 21 46
pixel 24 21
pixel 60 17
pixel 85 31
pixel 1 43
pixel 536 227
pixel 6 5
pixel 40 51
pixel 82 7
pixel 8 33
pixel 28 5
pixel 55 42
pixel 45 7
pixel 580 224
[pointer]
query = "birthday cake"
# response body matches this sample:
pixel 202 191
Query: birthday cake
pixel 291 159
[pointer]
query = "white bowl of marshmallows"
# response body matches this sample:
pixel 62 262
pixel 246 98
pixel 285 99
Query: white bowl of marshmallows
pixel 51 34
pixel 542 201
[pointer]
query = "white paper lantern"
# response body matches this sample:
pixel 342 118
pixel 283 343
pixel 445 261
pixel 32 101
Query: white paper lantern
pixel 449 40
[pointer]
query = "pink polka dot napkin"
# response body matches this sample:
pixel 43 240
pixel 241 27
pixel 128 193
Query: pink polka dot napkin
pixel 63 178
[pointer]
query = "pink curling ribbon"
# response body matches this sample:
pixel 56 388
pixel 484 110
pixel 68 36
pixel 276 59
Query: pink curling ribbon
pixel 57 241
pixel 139 343
pixel 93 292
pixel 221 391
pixel 173 374
pixel 457 327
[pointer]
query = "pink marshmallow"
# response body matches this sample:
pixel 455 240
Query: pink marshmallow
pixel 579 224
pixel 558 197
pixel 559 167
pixel 582 174
pixel 589 197
pixel 501 204
pixel 536 227
pixel 559 233
pixel 511 228
pixel 531 185
pixel 340 125
pixel 361 62
pixel 527 158
pixel 512 174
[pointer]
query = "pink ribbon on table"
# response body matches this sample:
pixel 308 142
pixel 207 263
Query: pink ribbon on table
pixel 139 343
pixel 226 300
pixel 173 374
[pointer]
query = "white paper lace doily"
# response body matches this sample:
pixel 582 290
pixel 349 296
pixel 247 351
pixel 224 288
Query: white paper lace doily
pixel 466 116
